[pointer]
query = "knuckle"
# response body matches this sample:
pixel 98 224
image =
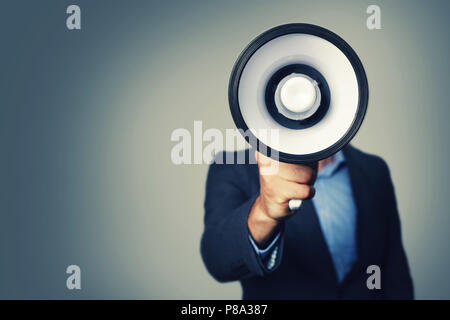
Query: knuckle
pixel 303 174
pixel 305 191
pixel 272 194
pixel 280 200
pixel 309 175
pixel 275 200
pixel 288 194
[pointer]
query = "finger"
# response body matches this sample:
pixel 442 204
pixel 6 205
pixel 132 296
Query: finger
pixel 299 191
pixel 299 173
pixel 281 190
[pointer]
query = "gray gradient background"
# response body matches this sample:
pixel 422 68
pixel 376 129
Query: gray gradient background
pixel 86 118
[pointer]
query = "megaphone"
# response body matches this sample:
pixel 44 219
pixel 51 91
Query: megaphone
pixel 305 81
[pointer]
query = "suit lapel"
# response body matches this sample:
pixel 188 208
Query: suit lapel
pixel 363 197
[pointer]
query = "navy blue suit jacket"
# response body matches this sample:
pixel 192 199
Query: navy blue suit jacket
pixel 304 270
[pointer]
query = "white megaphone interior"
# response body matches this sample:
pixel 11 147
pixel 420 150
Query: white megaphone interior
pixel 326 58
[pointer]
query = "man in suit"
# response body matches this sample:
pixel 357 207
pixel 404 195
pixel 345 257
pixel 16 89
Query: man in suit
pixel 347 222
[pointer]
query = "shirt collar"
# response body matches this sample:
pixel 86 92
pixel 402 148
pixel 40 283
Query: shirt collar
pixel 331 168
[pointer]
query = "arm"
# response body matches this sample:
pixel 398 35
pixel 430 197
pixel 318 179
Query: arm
pixel 232 216
pixel 268 256
pixel 397 279
pixel 226 248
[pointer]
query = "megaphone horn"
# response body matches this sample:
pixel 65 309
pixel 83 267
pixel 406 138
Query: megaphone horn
pixel 304 81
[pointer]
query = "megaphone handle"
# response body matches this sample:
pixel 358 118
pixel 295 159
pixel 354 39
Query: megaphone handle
pixel 294 204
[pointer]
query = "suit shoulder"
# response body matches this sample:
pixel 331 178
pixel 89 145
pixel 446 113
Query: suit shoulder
pixel 233 162
pixel 232 168
pixel 372 164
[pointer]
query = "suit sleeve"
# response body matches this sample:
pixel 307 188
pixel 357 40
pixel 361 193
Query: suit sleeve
pixel 225 246
pixel 397 279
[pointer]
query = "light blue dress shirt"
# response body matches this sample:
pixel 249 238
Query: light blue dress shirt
pixel 336 211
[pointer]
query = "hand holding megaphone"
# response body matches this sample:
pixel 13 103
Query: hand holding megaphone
pixel 289 184
pixel 279 189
